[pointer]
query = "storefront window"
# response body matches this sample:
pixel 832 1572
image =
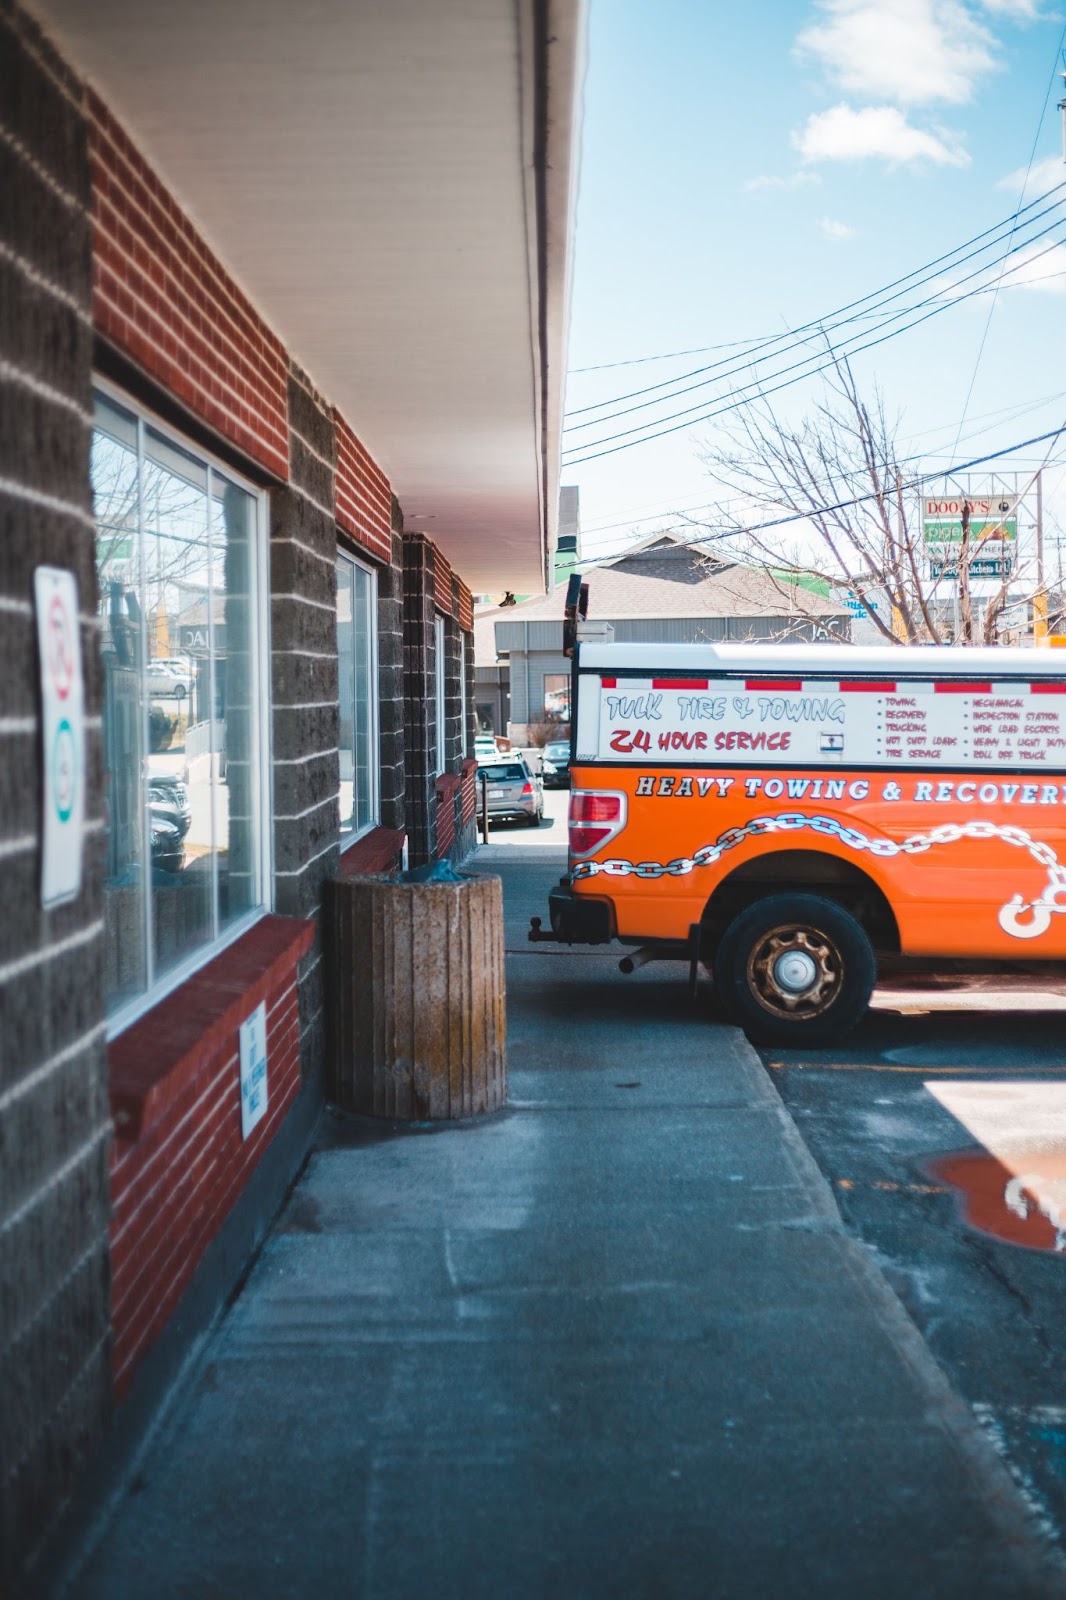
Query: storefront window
pixel 177 563
pixel 357 658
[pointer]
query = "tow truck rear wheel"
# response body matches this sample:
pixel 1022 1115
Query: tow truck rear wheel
pixel 795 970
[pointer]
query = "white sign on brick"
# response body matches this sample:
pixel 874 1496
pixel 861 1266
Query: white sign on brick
pixel 253 1069
pixel 62 733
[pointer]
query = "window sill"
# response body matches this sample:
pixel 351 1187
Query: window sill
pixel 156 1058
pixel 376 851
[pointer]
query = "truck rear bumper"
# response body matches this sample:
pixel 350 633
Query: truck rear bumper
pixel 579 919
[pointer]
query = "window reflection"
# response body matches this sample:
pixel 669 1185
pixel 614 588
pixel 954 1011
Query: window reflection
pixel 176 559
pixel 356 635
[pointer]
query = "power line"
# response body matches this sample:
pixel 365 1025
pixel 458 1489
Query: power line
pixel 1006 225
pixel 1021 197
pixel 744 396
pixel 669 355
pixel 668 512
pixel 862 499
pixel 665 509
pixel 938 299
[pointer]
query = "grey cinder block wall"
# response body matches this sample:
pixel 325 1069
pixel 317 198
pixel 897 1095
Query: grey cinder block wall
pixel 55 1379
pixel 304 684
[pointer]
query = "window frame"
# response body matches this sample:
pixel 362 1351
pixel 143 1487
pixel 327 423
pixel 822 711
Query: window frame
pixel 347 839
pixel 464 710
pixel 159 988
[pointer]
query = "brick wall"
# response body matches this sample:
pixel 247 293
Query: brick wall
pixel 364 500
pixel 88 235
pixel 303 612
pixel 419 687
pixel 54 1127
pixel 391 682
pixel 163 298
pixel 464 607
pixel 179 1161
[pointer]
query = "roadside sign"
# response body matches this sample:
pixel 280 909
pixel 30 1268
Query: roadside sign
pixel 999 563
pixel 62 733
pixel 253 1069
pixel 993 519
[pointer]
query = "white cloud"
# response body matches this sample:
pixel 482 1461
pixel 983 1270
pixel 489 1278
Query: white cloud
pixel 915 52
pixel 1039 269
pixel 879 132
pixel 1021 10
pixel 797 180
pixel 835 230
pixel 1045 175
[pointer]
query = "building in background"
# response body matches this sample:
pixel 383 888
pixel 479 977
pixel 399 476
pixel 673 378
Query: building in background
pixel 271 412
pixel 661 591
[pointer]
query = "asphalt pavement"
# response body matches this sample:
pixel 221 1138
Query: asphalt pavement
pixel 614 1341
pixel 941 1126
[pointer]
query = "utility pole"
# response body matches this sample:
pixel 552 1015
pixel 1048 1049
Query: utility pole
pixel 1040 598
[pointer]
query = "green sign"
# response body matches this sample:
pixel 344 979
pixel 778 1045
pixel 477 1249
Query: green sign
pixel 948 530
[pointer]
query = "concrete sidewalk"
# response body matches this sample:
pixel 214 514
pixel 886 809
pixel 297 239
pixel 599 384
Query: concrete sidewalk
pixel 611 1343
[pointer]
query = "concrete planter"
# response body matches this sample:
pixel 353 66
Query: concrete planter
pixel 417 998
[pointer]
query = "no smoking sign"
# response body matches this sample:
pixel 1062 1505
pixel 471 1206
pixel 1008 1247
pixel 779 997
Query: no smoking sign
pixel 62 734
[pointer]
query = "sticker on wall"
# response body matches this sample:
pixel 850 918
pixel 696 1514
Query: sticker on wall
pixel 62 733
pixel 253 1069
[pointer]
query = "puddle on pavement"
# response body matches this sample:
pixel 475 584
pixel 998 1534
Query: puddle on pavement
pixel 1019 1198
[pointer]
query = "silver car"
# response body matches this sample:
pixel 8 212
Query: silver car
pixel 513 790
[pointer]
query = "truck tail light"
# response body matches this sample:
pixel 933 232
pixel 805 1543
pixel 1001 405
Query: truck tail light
pixel 596 816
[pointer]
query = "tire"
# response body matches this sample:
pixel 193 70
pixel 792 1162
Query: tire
pixel 826 938
pixel 179 691
pixel 535 820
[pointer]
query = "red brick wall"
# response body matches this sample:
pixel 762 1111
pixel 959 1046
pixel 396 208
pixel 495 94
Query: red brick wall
pixel 469 788
pixel 162 297
pixel 466 607
pixel 364 499
pixel 179 1162
pixel 442 583
pixel 447 786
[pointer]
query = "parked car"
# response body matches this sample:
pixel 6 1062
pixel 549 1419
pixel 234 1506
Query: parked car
pixel 166 682
pixel 169 816
pixel 513 790
pixel 485 747
pixel 168 797
pixel 555 764
pixel 168 852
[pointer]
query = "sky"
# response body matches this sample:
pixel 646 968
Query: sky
pixel 748 169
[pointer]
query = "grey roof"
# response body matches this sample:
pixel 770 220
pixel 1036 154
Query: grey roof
pixel 667 580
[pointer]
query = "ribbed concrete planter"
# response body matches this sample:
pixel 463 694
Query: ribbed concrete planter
pixel 417 997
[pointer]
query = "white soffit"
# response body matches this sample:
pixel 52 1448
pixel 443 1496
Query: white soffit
pixel 368 172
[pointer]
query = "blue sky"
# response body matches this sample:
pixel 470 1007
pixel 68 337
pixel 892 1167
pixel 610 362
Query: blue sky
pixel 749 168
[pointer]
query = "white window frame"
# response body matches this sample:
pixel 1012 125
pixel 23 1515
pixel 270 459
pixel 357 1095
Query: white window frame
pixel 440 647
pixel 464 735
pixel 157 988
pixel 348 839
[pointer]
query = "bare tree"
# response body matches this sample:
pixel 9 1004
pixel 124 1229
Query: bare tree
pixel 840 474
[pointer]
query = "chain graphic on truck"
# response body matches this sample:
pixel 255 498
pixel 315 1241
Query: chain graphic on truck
pixel 1019 918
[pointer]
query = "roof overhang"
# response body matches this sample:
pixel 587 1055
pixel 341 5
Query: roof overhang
pixel 393 186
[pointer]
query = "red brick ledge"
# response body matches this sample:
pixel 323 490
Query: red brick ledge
pixel 155 1059
pixel 378 851
pixel 447 785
